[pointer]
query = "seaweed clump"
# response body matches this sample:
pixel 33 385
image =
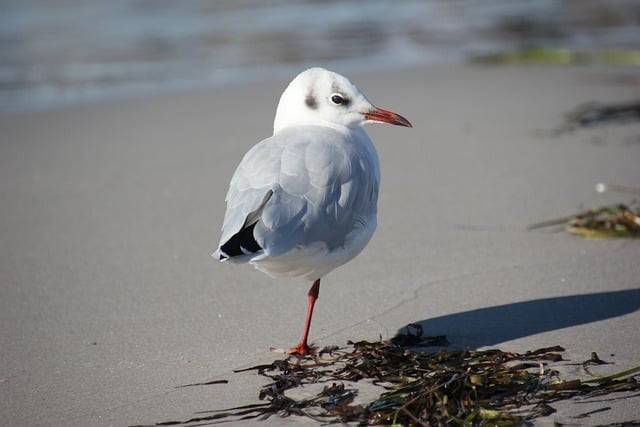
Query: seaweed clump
pixel 594 114
pixel 606 222
pixel 420 388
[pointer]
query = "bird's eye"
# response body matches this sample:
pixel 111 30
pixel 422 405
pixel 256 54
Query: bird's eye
pixel 337 99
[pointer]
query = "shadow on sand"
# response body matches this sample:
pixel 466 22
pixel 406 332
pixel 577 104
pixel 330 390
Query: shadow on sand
pixel 493 325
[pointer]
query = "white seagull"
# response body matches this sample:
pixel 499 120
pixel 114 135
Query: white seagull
pixel 303 201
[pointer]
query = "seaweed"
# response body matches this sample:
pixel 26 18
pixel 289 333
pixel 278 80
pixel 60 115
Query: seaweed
pixel 613 221
pixel 594 114
pixel 457 387
pixel 537 55
pixel 212 382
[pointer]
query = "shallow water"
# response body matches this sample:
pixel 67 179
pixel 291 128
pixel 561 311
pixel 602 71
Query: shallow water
pixel 60 52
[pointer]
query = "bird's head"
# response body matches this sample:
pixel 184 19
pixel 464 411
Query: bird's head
pixel 321 97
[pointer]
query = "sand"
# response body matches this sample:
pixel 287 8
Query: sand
pixel 108 213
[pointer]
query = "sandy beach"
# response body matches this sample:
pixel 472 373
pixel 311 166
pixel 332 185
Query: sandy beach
pixel 108 213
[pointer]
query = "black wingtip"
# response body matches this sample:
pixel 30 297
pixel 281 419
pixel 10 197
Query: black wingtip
pixel 243 239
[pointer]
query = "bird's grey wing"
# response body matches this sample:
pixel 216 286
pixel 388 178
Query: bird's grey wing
pixel 265 201
pixel 325 185
pixel 249 191
pixel 316 191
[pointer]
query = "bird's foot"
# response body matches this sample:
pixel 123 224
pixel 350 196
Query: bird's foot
pixel 301 349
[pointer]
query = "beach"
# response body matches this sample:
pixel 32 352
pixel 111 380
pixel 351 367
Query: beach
pixel 109 298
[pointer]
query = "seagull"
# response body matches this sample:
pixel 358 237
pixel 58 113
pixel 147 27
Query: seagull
pixel 304 201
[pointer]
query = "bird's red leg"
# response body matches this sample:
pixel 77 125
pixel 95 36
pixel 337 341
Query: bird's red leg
pixel 303 348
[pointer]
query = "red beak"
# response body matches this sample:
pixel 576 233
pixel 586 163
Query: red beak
pixel 384 116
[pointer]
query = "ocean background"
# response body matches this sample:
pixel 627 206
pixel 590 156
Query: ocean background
pixel 63 52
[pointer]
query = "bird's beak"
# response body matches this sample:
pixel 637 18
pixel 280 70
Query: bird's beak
pixel 383 116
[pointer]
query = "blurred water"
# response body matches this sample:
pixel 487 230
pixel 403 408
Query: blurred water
pixel 60 52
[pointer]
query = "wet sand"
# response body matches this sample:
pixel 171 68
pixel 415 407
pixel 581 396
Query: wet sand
pixel 108 213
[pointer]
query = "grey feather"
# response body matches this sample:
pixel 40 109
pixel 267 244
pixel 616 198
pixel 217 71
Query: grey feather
pixel 303 185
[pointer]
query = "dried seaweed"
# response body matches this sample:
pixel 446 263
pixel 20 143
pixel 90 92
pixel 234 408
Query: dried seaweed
pixel 421 388
pixel 212 382
pixel 596 114
pixel 415 337
pixel 607 222
pixel 554 56
pixel 615 221
pixel 595 411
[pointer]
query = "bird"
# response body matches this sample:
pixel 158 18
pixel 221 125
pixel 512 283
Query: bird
pixel 303 202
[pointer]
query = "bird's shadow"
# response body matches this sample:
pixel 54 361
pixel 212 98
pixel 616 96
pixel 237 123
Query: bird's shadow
pixel 493 325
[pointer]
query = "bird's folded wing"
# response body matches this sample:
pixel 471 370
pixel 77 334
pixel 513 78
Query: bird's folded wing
pixel 317 189
pixel 251 182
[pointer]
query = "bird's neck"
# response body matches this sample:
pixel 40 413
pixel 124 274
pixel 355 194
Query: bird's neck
pixel 279 126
